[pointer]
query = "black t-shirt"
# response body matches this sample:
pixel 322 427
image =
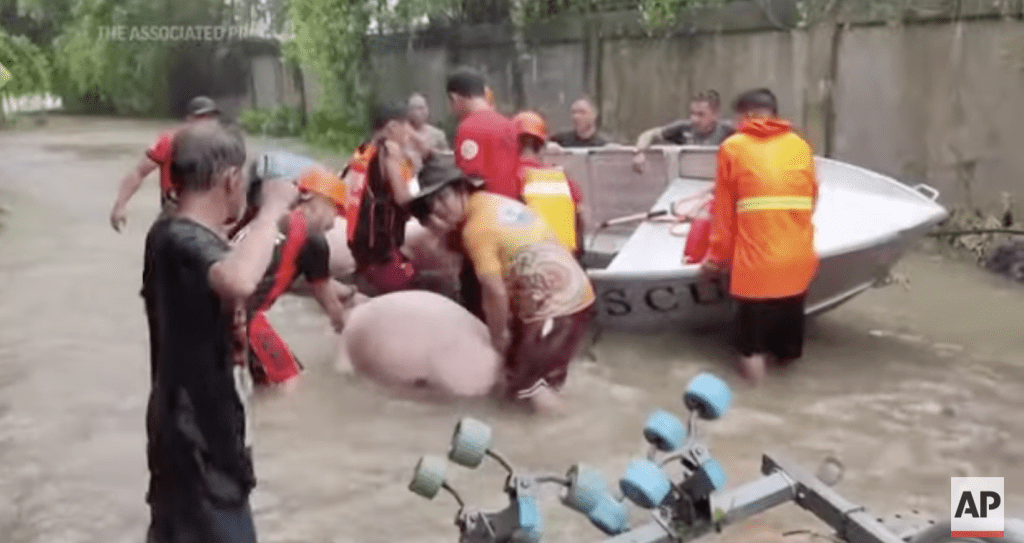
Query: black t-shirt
pixel 196 403
pixel 571 139
pixel 683 133
pixel 313 262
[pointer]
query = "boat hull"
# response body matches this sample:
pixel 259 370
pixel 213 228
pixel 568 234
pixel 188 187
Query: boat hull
pixel 666 298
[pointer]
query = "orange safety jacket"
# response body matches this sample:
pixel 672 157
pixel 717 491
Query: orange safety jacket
pixel 548 192
pixel 766 191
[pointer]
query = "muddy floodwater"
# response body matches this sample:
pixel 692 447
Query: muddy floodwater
pixel 906 387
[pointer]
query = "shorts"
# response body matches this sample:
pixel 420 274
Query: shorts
pixel 190 501
pixel 397 274
pixel 771 327
pixel 176 521
pixel 536 359
pixel 271 362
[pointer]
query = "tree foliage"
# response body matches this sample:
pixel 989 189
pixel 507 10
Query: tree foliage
pixel 27 63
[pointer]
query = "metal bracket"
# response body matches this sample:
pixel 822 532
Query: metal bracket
pixel 930 192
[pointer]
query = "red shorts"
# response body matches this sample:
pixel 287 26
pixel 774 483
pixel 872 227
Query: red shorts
pixel 398 274
pixel 272 362
pixel 537 360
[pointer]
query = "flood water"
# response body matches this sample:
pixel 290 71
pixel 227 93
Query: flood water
pixel 906 387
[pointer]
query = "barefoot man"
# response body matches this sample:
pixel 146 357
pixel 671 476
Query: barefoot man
pixel 761 231
pixel 195 285
pixel 536 298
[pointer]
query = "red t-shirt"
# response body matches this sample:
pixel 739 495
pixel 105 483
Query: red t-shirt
pixel 161 152
pixel 530 162
pixel 486 146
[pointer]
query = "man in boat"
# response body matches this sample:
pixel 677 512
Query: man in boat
pixel 301 249
pixel 536 298
pixel 426 138
pixel 547 190
pixel 486 148
pixel 703 127
pixel 195 285
pixel 378 178
pixel 766 190
pixel 584 132
pixel 158 156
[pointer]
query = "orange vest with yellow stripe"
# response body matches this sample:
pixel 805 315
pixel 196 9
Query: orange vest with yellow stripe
pixel 546 191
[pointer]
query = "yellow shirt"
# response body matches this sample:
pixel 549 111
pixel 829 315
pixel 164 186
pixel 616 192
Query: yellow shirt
pixel 505 238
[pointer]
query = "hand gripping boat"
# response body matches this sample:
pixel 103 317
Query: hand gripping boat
pixel 865 222
pixel 682 508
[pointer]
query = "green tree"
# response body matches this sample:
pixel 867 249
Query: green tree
pixel 28 65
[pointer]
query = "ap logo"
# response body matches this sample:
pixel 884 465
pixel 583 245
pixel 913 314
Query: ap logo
pixel 976 507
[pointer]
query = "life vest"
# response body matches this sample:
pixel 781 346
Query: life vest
pixel 377 223
pixel 546 191
pixel 273 361
pixel 698 240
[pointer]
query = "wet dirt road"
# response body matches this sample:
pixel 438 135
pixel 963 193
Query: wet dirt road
pixel 907 388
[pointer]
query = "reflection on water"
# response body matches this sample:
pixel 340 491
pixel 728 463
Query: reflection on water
pixel 905 388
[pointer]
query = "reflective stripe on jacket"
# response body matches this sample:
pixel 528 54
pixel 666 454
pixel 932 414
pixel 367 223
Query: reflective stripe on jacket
pixel 547 191
pixel 766 191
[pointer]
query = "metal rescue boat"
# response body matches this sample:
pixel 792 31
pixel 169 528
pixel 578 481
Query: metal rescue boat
pixel 865 222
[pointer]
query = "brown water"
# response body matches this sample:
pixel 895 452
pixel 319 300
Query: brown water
pixel 907 388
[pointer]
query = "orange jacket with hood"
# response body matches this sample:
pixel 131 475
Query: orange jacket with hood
pixel 766 191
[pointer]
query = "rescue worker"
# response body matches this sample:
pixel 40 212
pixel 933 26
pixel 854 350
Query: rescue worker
pixel 158 156
pixel 486 148
pixel 301 249
pixel 378 179
pixel 485 141
pixel 536 297
pixel 547 190
pixel 702 128
pixel 584 132
pixel 762 234
pixel 195 285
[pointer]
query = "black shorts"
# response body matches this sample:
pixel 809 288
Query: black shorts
pixel 771 327
pixel 200 521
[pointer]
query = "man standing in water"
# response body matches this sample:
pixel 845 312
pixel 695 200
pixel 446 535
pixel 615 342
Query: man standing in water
pixel 158 156
pixel 766 190
pixel 195 286
pixel 485 148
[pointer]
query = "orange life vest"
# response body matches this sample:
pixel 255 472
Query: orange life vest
pixel 546 191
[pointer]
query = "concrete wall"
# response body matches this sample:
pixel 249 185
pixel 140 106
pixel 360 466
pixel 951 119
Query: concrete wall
pixel 926 100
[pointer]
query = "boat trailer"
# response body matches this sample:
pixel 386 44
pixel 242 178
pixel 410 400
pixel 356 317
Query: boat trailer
pixel 685 509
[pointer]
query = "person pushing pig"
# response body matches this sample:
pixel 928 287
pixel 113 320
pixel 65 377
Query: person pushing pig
pixel 536 298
